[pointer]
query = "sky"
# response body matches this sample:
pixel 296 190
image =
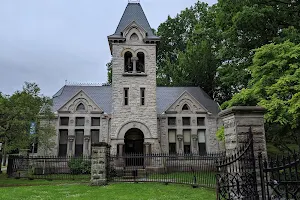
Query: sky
pixel 51 41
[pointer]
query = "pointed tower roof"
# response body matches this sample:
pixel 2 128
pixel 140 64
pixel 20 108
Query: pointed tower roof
pixel 134 13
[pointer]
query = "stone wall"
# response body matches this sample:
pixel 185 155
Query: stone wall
pixel 237 122
pixel 211 126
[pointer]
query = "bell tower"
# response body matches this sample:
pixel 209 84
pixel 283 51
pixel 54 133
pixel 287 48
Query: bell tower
pixel 133 48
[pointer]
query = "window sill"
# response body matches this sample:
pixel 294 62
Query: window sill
pixel 134 74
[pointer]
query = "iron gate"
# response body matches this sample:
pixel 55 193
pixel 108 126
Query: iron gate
pixel 236 177
pixel 281 177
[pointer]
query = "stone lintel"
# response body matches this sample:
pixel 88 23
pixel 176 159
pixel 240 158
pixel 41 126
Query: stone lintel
pixel 134 74
pixel 97 112
pixel 242 110
pixel 100 144
pixel 171 112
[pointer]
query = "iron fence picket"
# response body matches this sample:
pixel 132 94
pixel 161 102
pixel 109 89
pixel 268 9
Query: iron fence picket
pixel 185 169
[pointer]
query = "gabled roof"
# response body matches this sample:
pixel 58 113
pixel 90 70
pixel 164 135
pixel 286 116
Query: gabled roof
pixel 165 97
pixel 134 13
pixel 101 95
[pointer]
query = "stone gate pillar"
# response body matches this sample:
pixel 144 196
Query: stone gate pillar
pixel 100 153
pixel 237 122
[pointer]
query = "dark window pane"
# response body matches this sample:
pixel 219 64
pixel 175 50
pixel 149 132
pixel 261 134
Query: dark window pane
pixel 200 121
pixel 186 121
pixel 79 121
pixel 95 136
pixel 63 136
pixel 78 150
pixel 140 65
pixel 63 142
pixel 95 121
pixel 142 96
pixel 79 142
pixel 80 107
pixel 64 121
pixel 62 150
pixel 187 149
pixel 172 148
pixel 185 107
pixel 128 65
pixel 126 96
pixel 172 121
pixel 202 148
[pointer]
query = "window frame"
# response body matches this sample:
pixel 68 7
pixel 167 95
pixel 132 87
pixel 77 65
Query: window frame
pixel 183 120
pixel 170 120
pixel 78 118
pixel 92 121
pixel 142 96
pixel 198 120
pixel 60 121
pixel 126 96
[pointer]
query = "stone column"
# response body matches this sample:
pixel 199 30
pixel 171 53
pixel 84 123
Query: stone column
pixel 237 122
pixel 86 145
pixel 99 165
pixel 121 147
pixel 71 145
pixel 195 144
pixel 121 161
pixel 180 144
pixel 134 60
pixel 147 160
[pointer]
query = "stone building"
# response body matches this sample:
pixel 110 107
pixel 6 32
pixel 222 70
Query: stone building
pixel 134 115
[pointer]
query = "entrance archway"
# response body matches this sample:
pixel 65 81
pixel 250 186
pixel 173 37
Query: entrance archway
pixel 134 147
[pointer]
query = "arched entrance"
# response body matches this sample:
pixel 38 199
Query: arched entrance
pixel 134 144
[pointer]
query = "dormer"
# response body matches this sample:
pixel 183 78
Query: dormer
pixel 133 27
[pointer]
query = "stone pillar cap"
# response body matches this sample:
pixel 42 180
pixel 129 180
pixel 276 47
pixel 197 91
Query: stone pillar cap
pixel 242 109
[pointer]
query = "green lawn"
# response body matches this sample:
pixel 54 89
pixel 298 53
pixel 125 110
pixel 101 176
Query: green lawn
pixel 202 178
pixel 122 191
pixel 4 181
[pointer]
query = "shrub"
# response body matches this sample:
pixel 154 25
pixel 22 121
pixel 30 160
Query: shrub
pixel 220 134
pixel 79 166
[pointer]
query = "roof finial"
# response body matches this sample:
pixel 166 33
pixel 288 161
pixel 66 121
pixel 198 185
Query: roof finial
pixel 133 1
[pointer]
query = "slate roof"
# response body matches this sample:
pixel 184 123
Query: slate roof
pixel 134 12
pixel 102 96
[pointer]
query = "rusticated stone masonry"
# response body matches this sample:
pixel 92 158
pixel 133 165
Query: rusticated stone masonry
pixel 237 122
pixel 99 163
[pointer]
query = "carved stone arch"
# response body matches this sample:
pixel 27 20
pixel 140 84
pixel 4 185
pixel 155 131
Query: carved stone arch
pixel 185 101
pixel 127 49
pixel 134 30
pixel 134 37
pixel 131 125
pixel 134 27
pixel 141 50
pixel 77 102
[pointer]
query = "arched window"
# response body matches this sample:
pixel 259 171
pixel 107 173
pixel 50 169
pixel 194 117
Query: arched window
pixel 128 66
pixel 185 107
pixel 134 37
pixel 140 67
pixel 80 107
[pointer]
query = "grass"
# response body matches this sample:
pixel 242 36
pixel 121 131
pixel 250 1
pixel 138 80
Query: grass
pixel 5 182
pixel 202 178
pixel 118 191
pixel 273 150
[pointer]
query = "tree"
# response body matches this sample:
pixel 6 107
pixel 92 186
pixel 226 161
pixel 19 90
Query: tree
pixel 174 34
pixel 109 73
pixel 16 114
pixel 247 25
pixel 46 129
pixel 275 85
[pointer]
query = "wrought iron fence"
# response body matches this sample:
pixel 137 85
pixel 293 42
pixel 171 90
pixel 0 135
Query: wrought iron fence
pixel 50 167
pixel 236 177
pixel 280 177
pixel 196 170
